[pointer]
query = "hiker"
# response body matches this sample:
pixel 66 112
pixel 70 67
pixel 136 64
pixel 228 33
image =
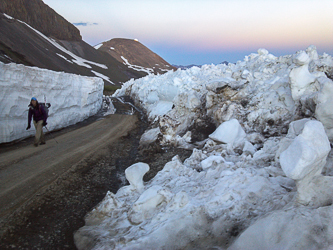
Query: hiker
pixel 37 111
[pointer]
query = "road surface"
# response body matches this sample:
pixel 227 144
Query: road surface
pixel 27 171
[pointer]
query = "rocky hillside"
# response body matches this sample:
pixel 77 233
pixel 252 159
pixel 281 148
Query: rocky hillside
pixel 134 54
pixel 20 43
pixel 41 17
pixel 33 34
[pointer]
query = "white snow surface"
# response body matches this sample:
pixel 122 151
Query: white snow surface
pixel 73 98
pixel 98 46
pixel 308 149
pixel 229 132
pixel 232 188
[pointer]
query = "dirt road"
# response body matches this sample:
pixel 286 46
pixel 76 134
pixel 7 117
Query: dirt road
pixel 28 171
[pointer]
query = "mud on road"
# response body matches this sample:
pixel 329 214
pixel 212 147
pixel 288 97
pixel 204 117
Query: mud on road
pixel 48 219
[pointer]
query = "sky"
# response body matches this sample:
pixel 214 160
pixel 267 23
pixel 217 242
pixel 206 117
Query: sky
pixel 185 32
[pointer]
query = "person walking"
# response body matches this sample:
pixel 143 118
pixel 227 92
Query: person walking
pixel 39 115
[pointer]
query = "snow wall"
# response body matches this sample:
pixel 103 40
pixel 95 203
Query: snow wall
pixel 73 98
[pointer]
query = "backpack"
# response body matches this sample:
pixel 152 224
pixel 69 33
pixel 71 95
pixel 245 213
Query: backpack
pixel 46 108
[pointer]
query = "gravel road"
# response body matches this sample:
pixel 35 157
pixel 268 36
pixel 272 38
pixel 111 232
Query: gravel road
pixel 43 184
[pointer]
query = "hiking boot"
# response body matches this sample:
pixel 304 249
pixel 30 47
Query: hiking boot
pixel 42 143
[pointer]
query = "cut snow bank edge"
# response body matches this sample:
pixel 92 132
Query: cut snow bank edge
pixel 73 98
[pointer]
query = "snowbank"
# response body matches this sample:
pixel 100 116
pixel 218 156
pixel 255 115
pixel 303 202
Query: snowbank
pixel 241 113
pixel 182 207
pixel 73 98
pixel 263 92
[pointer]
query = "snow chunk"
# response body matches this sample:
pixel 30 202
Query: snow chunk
pixel 263 52
pixel 249 148
pixel 150 136
pixel 212 160
pixel 229 132
pixel 160 109
pixel 134 175
pixel 307 153
pixel 145 206
pixel 301 80
pixel 304 161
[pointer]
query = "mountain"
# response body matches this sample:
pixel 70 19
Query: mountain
pixel 134 54
pixel 41 17
pixel 33 34
pixel 194 65
pixel 186 66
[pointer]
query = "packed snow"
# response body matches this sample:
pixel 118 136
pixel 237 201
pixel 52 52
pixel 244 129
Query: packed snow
pixel 73 98
pixel 260 179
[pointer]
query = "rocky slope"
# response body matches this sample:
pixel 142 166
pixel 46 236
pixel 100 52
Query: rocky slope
pixel 41 17
pixel 33 34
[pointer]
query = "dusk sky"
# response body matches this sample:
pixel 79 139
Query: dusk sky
pixel 187 32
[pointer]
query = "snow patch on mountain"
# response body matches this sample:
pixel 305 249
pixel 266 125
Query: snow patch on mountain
pixel 98 46
pixel 75 59
pixel 7 16
pixel 137 67
pixel 102 76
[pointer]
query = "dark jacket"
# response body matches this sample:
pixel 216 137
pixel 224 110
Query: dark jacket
pixel 38 113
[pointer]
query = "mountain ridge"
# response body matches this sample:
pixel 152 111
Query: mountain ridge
pixel 33 34
pixel 132 52
pixel 41 17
